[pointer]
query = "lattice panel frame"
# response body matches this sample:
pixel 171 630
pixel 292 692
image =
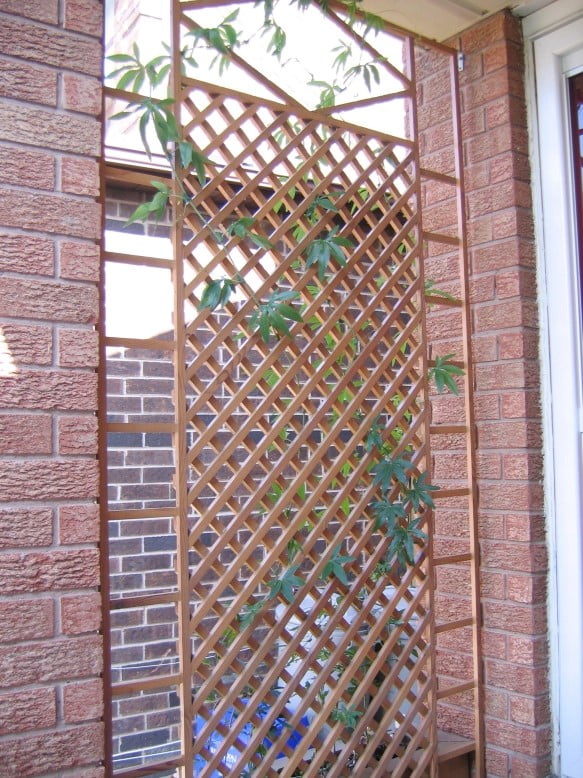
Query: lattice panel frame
pixel 271 436
pixel 289 417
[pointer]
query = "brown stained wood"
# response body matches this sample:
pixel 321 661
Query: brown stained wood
pixel 433 175
pixel 264 465
pixel 130 514
pixel 471 440
pixel 143 180
pixel 439 237
pixel 156 344
pixel 135 259
pixel 453 559
pixel 150 769
pixel 366 101
pixel 144 601
pixel 458 688
pixel 144 684
pixel 453 625
pixel 140 426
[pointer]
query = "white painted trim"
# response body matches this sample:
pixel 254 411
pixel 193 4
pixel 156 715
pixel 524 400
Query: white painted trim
pixel 555 42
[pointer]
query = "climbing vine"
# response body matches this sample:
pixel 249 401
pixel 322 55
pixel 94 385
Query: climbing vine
pixel 401 495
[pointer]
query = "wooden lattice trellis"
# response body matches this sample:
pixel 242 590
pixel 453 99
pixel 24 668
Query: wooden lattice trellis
pixel 333 672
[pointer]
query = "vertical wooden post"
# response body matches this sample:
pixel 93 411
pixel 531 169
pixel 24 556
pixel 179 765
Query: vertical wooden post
pixel 413 119
pixel 470 420
pixel 183 606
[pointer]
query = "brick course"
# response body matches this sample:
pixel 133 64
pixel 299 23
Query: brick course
pixel 51 652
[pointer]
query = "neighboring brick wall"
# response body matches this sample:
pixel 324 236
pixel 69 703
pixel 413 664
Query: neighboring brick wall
pixel 505 345
pixel 51 652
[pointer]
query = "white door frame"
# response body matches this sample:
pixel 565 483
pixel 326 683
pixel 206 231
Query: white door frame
pixel 554 44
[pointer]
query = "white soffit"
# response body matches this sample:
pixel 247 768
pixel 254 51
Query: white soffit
pixel 443 19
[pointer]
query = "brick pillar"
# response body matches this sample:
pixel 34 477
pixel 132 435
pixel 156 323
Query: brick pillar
pixel 513 552
pixel 50 222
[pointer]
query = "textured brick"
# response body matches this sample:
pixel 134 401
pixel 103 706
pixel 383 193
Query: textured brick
pixel 24 254
pixel 524 557
pixel 79 261
pixel 28 41
pixel 527 650
pixel 22 619
pixel 530 768
pixel 78 524
pixel 25 527
pixel 84 16
pixel 50 130
pixel 49 300
pixel 77 435
pixel 516 678
pixel 33 389
pixel 21 165
pixel 78 348
pixel 27 345
pixel 523 619
pixel 82 701
pixel 47 11
pixel 80 176
pixel 49 480
pixel 52 660
pixel 518 738
pixel 529 711
pixel 81 614
pixel 26 710
pixel 50 571
pixel 81 94
pixel 517 496
pixel 53 752
pixel 25 434
pixel 28 83
pixel 53 213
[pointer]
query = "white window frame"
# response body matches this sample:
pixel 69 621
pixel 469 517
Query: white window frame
pixel 554 37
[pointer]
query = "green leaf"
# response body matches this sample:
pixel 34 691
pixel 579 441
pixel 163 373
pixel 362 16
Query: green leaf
pixel 374 437
pixel 419 492
pixel 387 514
pixel 388 469
pixel 273 315
pixel 334 567
pixel 248 614
pixel 443 372
pixel 286 584
pixel 217 293
pixel 321 250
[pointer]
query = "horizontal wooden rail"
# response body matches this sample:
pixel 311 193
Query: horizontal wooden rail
pixel 142 513
pixel 443 494
pixel 140 426
pixel 448 429
pixel 156 344
pixel 145 684
pixel 453 559
pixel 457 688
pixel 439 237
pixel 150 769
pixel 435 176
pixel 436 299
pixel 144 601
pixel 449 626
pixel 137 259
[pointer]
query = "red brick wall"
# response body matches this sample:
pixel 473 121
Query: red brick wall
pixel 50 223
pixel 514 566
pixel 505 346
